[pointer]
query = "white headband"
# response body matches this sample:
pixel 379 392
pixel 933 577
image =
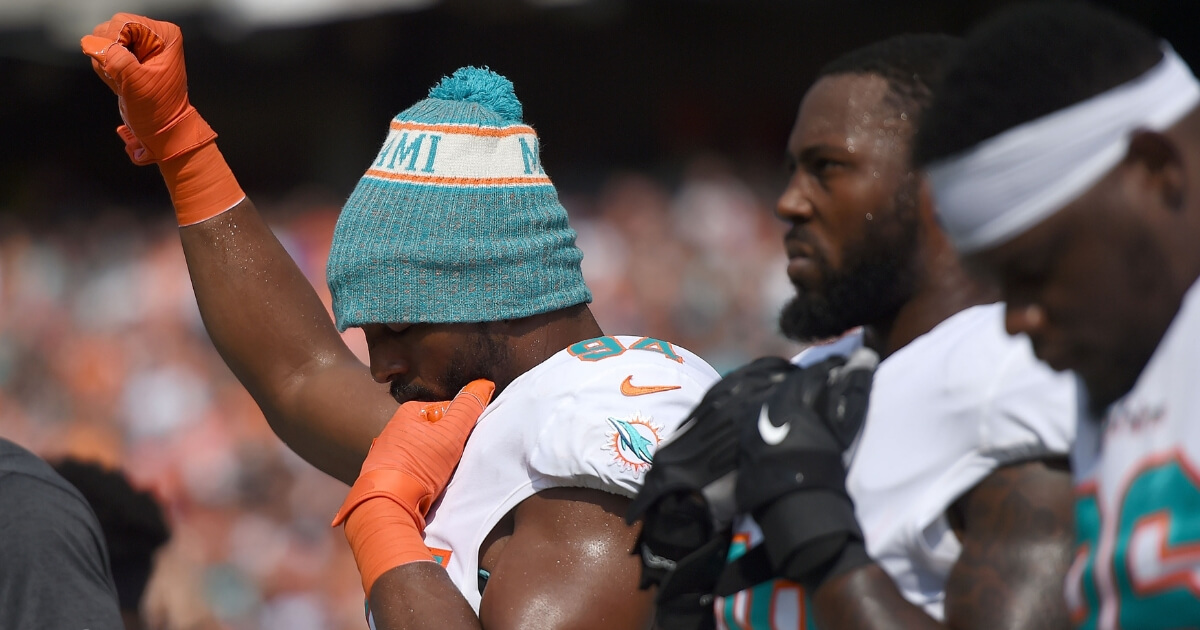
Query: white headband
pixel 1007 184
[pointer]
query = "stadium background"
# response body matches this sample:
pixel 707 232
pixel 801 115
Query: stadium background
pixel 662 123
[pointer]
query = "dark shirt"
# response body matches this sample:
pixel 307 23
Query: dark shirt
pixel 54 571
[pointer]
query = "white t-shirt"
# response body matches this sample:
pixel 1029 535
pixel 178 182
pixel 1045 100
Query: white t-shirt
pixel 1137 476
pixel 946 410
pixel 590 416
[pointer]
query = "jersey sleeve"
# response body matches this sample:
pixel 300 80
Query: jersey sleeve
pixel 1030 412
pixel 54 573
pixel 993 404
pixel 604 433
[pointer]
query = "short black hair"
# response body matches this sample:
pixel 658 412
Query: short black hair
pixel 132 521
pixel 1028 61
pixel 912 64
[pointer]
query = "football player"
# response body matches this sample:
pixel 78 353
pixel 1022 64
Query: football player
pixel 1063 152
pixel 455 258
pixel 950 508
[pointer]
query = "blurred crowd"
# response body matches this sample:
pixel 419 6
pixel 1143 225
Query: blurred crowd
pixel 103 357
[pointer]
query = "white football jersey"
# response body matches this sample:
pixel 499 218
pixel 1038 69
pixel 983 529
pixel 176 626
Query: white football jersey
pixel 590 416
pixel 946 410
pixel 1137 475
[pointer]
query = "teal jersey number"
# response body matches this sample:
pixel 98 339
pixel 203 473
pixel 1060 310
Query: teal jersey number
pixel 606 347
pixel 1155 561
pixel 775 605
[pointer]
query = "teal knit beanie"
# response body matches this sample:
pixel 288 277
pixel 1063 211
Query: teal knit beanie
pixel 455 220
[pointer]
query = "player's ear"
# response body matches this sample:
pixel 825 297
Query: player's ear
pixel 1162 165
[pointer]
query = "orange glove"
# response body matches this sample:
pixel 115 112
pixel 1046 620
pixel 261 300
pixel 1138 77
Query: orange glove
pixel 141 60
pixel 407 468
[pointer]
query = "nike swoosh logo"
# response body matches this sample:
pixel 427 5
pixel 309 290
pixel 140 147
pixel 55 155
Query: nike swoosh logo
pixel 770 433
pixel 629 389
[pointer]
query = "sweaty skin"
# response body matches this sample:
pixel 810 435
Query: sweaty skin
pixel 533 584
pixel 272 330
pixel 850 148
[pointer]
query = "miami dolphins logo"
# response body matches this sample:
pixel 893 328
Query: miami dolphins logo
pixel 633 441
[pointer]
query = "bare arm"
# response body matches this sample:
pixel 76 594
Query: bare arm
pixel 1017 537
pixel 567 565
pixel 263 316
pixel 274 333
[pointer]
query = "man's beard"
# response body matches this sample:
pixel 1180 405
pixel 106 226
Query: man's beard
pixel 877 278
pixel 480 357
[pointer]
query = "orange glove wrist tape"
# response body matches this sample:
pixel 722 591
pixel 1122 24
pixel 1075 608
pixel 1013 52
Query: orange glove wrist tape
pixel 183 134
pixel 201 184
pixel 383 535
pixel 407 468
pixel 392 484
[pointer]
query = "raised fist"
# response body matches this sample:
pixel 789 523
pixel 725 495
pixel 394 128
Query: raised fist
pixel 141 60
